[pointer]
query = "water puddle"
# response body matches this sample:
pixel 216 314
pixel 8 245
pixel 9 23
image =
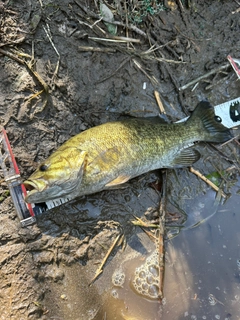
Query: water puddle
pixel 202 267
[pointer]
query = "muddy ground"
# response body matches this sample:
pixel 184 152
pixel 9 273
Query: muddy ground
pixel 84 81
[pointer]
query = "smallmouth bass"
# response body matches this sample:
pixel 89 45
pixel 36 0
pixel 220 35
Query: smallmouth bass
pixel 112 153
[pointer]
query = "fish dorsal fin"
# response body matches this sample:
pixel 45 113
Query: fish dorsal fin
pixel 186 158
pixel 119 180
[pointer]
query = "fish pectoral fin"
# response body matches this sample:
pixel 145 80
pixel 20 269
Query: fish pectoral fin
pixel 82 164
pixel 119 180
pixel 186 158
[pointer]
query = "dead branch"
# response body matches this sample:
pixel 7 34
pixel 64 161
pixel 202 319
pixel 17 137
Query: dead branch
pixel 210 183
pixel 159 102
pixel 161 248
pixel 96 16
pixel 19 40
pixel 115 39
pixel 96 49
pixel 206 75
pixel 100 268
pixel 120 66
pixel 34 73
pixel 153 80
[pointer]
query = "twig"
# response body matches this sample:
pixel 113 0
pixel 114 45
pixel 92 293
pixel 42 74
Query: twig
pixel 145 55
pixel 96 16
pixel 184 16
pixel 140 223
pixel 215 83
pixel 121 65
pixel 169 71
pixel 149 233
pixel 115 39
pixel 160 41
pixel 100 268
pixel 111 39
pixel 96 49
pixel 230 160
pixel 95 23
pixel 180 5
pixel 126 17
pixel 210 183
pixel 12 56
pixel 50 39
pixel 191 39
pixel 233 139
pixel 87 24
pixel 168 60
pixel 143 225
pixel 194 87
pixel 155 47
pixel 215 70
pixel 19 40
pixel 152 79
pixel 126 39
pixel 47 31
pixel 130 27
pixel 161 249
pixel 159 102
pixel 238 9
pixel 33 72
pixel 88 12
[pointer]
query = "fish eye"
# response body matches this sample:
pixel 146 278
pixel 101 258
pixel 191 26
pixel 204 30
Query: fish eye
pixel 218 119
pixel 43 167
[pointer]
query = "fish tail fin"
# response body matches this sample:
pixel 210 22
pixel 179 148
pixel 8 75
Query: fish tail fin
pixel 208 124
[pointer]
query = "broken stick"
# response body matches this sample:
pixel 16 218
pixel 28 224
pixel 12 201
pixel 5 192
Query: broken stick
pixel 161 248
pixel 159 102
pixel 215 70
pixel 210 183
pixel 100 268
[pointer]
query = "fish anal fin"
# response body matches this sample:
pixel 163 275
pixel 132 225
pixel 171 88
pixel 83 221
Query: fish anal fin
pixel 119 180
pixel 186 158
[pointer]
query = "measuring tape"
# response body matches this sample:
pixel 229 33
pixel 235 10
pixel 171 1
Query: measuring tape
pixel 229 112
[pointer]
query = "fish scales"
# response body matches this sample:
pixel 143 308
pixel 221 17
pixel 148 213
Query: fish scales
pixel 112 153
pixel 127 149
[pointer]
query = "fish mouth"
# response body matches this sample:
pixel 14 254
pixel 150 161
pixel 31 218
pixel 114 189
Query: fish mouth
pixel 34 187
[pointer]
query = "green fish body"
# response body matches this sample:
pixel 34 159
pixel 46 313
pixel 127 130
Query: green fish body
pixel 112 153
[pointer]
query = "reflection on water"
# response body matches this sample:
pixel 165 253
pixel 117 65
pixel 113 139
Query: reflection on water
pixel 202 273
pixel 129 292
pixel 202 279
pixel 202 268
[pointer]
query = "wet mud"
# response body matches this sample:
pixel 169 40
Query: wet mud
pixel 46 270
